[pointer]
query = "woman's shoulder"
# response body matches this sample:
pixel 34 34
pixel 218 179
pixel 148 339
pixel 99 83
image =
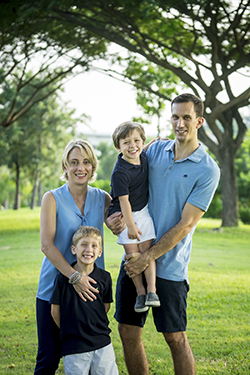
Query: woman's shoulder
pixel 95 192
pixel 59 190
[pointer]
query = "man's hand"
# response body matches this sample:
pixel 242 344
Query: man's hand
pixel 136 263
pixel 116 223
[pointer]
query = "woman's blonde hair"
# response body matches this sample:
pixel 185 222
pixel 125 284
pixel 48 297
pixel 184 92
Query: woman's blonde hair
pixel 86 149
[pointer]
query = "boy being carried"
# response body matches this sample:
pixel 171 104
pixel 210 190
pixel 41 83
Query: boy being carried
pixel 85 335
pixel 129 192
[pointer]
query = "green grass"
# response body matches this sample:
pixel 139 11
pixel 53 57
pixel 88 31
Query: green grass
pixel 218 302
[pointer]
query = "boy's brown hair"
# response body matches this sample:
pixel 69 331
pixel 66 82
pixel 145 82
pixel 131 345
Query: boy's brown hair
pixel 124 129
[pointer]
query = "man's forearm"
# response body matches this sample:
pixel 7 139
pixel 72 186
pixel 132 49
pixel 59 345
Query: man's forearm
pixel 167 241
pixel 190 217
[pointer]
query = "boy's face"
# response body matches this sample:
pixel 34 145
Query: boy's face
pixel 87 250
pixel 131 147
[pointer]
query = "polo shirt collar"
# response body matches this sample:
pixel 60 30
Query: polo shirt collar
pixel 126 164
pixel 195 156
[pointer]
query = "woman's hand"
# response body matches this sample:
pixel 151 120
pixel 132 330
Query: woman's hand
pixel 85 289
pixel 116 223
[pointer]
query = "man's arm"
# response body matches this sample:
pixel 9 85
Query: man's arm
pixel 189 218
pixel 152 141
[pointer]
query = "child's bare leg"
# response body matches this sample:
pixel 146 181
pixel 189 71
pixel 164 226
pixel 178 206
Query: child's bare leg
pixel 150 271
pixel 150 275
pixel 137 280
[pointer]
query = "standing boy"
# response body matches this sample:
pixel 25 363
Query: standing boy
pixel 129 192
pixel 85 335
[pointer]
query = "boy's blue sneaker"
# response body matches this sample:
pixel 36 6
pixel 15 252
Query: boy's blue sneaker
pixel 152 300
pixel 140 304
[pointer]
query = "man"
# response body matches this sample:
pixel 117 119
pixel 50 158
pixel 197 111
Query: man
pixel 182 182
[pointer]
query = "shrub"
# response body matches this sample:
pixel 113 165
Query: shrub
pixel 102 184
pixel 245 214
pixel 215 208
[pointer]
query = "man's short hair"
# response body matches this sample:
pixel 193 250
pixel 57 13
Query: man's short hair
pixel 187 97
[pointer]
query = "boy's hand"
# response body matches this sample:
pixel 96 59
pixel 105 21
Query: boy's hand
pixel 85 289
pixel 133 233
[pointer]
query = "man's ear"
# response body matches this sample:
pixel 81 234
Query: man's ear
pixel 200 122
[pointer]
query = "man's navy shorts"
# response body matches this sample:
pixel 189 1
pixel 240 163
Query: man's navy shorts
pixel 169 317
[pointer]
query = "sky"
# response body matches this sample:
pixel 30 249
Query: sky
pixel 110 102
pixel 106 100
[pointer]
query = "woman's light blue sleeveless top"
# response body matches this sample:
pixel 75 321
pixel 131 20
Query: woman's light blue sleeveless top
pixel 68 220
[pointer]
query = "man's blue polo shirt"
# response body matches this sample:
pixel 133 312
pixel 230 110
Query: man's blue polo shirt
pixel 171 185
pixel 129 179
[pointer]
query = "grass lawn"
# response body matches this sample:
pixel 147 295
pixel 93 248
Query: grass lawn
pixel 218 303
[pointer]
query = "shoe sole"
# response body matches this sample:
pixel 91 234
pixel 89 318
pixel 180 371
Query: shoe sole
pixel 143 309
pixel 153 304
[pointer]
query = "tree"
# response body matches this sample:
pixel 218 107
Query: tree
pixel 204 43
pixel 158 80
pixel 15 76
pixel 34 144
pixel 243 170
pixel 107 158
pixel 51 63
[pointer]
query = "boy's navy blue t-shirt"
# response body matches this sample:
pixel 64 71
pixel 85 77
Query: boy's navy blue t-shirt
pixel 83 325
pixel 129 179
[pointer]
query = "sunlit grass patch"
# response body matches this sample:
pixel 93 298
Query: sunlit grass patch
pixel 218 302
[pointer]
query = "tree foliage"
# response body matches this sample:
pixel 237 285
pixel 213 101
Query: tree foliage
pixel 107 156
pixel 243 171
pixel 203 43
pixel 27 59
pixel 33 145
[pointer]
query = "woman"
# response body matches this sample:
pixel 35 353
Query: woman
pixel 63 211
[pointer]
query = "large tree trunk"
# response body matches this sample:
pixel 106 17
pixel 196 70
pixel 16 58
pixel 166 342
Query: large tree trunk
pixel 6 204
pixel 225 153
pixel 34 191
pixel 39 194
pixel 229 190
pixel 17 203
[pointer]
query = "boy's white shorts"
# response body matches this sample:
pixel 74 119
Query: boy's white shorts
pixel 144 222
pixel 101 361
